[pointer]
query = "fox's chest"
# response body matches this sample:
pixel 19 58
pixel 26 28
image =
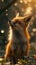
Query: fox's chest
pixel 19 39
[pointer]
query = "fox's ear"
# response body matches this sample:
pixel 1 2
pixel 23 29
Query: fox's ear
pixel 25 18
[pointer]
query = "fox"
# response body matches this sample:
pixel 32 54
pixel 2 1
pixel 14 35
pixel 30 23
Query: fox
pixel 18 45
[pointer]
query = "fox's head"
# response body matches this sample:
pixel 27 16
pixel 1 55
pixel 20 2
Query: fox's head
pixel 19 25
pixel 22 21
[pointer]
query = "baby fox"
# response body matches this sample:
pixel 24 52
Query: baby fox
pixel 18 45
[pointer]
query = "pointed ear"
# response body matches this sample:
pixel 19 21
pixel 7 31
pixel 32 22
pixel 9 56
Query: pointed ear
pixel 25 18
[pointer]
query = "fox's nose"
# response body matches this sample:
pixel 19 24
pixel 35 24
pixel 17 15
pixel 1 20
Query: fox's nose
pixel 11 23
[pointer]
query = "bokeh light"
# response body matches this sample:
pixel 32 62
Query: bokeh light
pixel 2 31
pixel 34 29
pixel 28 10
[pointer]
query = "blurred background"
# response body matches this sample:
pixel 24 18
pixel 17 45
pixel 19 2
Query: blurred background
pixel 8 10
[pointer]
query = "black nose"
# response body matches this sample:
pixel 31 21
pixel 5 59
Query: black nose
pixel 11 23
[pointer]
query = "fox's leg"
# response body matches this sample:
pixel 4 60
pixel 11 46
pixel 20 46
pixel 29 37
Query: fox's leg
pixel 27 49
pixel 28 42
pixel 9 53
pixel 8 50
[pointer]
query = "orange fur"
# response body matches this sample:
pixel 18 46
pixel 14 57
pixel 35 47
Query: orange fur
pixel 28 44
pixel 10 52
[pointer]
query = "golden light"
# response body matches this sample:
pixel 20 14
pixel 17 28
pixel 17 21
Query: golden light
pixel 34 29
pixel 1 59
pixel 21 1
pixel 16 4
pixel 28 10
pixel 25 1
pixel 2 31
pixel 29 0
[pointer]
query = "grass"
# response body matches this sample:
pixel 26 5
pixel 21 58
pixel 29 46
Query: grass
pixel 27 61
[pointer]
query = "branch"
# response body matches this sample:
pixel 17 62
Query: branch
pixel 3 10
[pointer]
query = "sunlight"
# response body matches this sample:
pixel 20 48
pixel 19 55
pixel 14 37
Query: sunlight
pixel 34 29
pixel 28 10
